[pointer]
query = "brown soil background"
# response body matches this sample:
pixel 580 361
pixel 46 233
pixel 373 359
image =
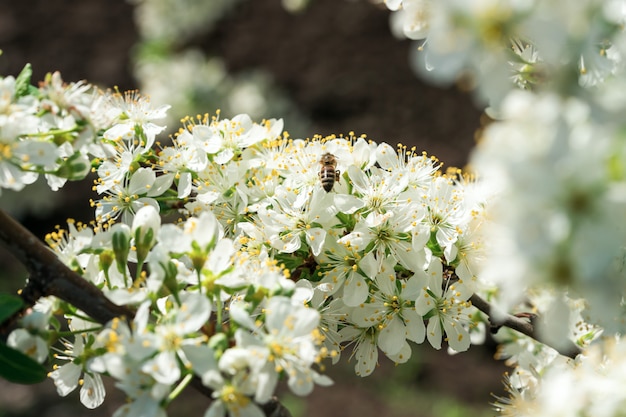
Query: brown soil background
pixel 342 67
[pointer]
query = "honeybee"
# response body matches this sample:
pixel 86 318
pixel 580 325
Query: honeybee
pixel 328 171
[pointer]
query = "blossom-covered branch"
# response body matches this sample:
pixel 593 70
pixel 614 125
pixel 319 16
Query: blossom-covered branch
pixel 284 251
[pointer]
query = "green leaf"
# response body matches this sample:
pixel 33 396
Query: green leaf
pixel 290 261
pixel 22 82
pixel 9 305
pixel 18 368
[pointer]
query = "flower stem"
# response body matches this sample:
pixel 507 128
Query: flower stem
pixel 179 388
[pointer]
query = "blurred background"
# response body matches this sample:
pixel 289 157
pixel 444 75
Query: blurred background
pixel 332 67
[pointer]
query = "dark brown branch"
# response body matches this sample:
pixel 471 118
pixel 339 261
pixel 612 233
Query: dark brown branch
pixel 522 325
pixel 273 408
pixel 50 276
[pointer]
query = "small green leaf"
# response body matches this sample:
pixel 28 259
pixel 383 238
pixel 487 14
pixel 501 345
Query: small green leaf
pixel 9 305
pixel 22 82
pixel 18 368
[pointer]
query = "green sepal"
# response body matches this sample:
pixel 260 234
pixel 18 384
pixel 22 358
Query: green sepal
pixel 121 249
pixel 170 283
pixel 255 295
pixel 433 245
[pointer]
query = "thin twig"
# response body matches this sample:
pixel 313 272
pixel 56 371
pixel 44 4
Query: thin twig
pixel 522 325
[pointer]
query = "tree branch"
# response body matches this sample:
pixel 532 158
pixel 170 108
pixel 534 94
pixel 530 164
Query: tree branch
pixel 50 276
pixel 522 325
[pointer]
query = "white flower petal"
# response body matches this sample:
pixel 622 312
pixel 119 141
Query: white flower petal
pixel 315 238
pixel 202 359
pixel 193 313
pixel 415 328
pixel 386 155
pixel 366 356
pixel 66 378
pixel 184 184
pixel 424 303
pixel 224 156
pixel 163 368
pixel 392 337
pixel 216 409
pixel 141 181
pixel 433 332
pixel 457 336
pixel 355 290
pixel 348 203
pixel 267 380
pixel 360 181
pixel 300 383
pixel 369 265
pixel 239 314
pixel 92 392
pixel 288 243
pixel 222 256
pixel 403 354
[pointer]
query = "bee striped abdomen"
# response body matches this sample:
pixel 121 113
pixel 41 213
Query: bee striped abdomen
pixel 328 173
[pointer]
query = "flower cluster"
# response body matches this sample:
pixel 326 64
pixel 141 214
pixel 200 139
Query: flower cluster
pixel 58 129
pixel 527 42
pixel 565 231
pixel 44 133
pixel 374 248
pixel 590 385
pixel 267 271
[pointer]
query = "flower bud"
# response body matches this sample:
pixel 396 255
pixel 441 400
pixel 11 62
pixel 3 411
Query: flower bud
pixel 121 245
pixel 146 226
